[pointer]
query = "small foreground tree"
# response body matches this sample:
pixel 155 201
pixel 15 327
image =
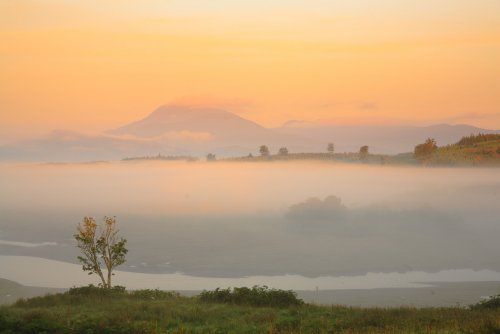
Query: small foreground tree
pixel 100 247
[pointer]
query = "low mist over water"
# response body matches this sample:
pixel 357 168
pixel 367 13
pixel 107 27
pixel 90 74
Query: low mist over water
pixel 259 219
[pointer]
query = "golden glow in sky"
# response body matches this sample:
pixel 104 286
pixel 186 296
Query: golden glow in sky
pixel 92 65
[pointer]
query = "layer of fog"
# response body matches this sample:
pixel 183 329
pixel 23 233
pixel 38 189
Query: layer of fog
pixel 248 219
pixel 21 268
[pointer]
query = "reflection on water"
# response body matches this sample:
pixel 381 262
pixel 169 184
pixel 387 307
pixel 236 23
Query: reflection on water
pixel 33 271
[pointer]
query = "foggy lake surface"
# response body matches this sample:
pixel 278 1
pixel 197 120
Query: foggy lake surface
pixel 293 225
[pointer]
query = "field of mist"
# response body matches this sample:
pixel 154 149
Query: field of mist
pixel 235 220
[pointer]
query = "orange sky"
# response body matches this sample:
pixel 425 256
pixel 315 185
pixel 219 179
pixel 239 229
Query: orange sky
pixel 91 65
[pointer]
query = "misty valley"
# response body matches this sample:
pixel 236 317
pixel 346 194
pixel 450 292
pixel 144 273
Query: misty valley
pixel 228 222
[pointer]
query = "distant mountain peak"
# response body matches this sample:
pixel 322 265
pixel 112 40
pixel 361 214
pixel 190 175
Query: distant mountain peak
pixel 176 118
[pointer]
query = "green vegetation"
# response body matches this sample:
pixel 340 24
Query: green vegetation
pixel 97 310
pixel 480 153
pixel 480 138
pixel 473 150
pixel 491 303
pixel 256 296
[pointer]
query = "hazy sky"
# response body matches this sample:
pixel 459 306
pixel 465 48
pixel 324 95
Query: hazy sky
pixel 91 65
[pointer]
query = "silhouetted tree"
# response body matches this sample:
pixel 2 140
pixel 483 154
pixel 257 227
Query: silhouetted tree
pixel 424 152
pixel 264 151
pixel 330 148
pixel 363 153
pixel 283 151
pixel 211 157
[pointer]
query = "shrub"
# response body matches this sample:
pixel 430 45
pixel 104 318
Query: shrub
pixel 256 296
pixel 155 294
pixel 490 303
pixel 92 290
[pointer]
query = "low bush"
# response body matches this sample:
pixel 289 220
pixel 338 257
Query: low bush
pixel 155 294
pixel 92 290
pixel 255 296
pixel 490 303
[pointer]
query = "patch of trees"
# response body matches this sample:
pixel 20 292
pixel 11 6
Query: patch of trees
pixel 424 152
pixel 479 138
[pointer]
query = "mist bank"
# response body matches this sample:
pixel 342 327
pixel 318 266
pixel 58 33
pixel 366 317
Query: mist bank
pixel 236 220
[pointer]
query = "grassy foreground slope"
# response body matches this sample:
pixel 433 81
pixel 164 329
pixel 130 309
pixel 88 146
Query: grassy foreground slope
pixel 153 311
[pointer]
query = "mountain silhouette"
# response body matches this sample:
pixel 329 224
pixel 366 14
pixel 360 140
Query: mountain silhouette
pixel 171 119
pixel 195 131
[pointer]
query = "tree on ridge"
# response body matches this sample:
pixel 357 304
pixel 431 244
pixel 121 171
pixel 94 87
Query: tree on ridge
pixel 100 247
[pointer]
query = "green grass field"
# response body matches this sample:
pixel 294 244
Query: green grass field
pixel 153 311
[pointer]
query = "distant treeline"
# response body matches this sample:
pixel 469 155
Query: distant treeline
pixel 339 157
pixel 473 150
pixel 479 138
pixel 162 157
